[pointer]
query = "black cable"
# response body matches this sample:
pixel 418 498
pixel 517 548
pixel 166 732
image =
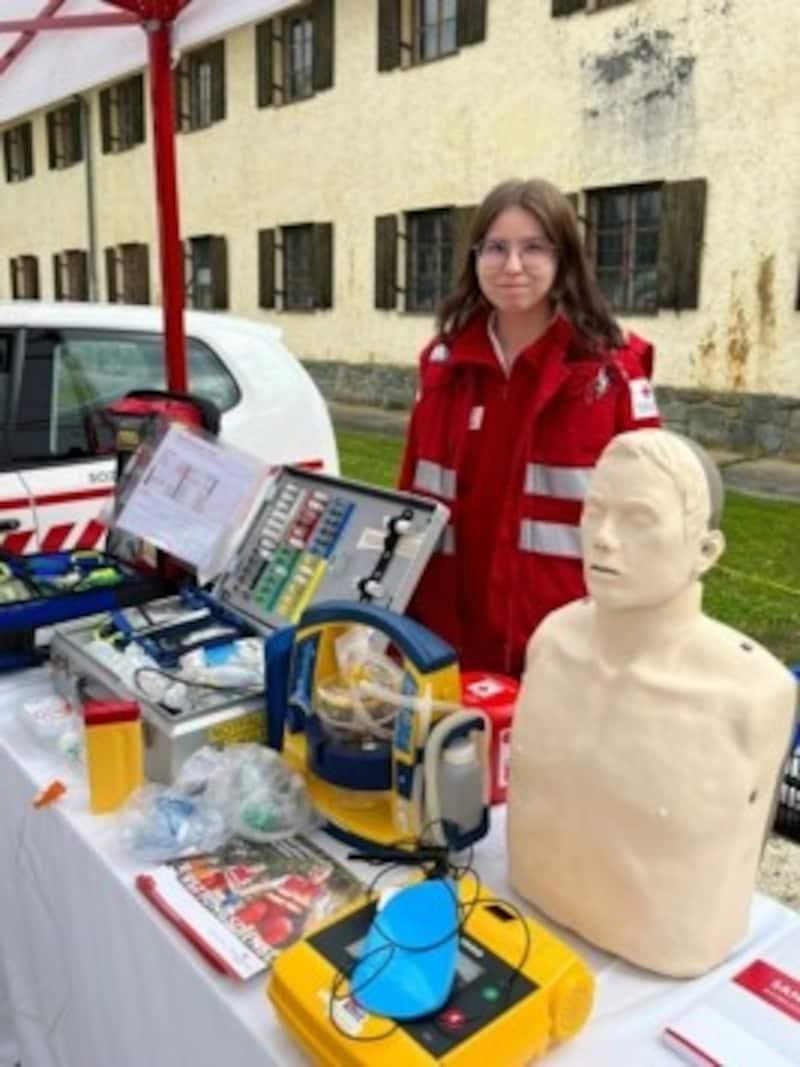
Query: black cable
pixel 453 872
pixel 191 683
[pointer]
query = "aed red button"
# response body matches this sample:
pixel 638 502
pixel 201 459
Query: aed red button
pixel 452 1019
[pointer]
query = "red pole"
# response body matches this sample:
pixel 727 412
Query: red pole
pixel 163 118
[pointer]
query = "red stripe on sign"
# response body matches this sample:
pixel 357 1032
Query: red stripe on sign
pixel 91 535
pixel 56 536
pixel 310 464
pixel 54 498
pixel 15 542
pixel 775 987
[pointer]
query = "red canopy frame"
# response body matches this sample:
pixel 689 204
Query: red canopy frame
pixel 156 18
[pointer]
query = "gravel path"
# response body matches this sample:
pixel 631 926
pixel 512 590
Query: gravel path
pixel 779 875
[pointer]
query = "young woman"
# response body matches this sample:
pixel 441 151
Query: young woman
pixel 526 381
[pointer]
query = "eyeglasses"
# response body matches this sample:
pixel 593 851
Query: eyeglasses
pixel 494 252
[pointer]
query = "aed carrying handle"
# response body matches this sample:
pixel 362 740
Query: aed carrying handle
pixel 424 650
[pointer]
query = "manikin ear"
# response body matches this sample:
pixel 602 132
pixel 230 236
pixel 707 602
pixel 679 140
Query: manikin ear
pixel 712 545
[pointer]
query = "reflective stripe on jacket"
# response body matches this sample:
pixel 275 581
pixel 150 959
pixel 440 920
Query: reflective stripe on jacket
pixel 521 534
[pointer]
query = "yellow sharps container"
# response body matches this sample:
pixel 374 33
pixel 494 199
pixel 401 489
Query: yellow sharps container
pixel 114 755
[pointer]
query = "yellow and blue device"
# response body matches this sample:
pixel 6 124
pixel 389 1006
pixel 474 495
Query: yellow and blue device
pixel 384 791
pixel 518 991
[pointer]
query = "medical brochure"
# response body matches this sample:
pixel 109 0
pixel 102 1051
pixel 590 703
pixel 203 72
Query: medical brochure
pixel 241 905
pixel 751 1020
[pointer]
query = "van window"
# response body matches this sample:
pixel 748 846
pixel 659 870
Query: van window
pixel 69 377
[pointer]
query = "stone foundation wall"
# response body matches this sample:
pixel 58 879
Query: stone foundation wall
pixel 756 424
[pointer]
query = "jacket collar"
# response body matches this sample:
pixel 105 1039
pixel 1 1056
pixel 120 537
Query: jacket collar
pixel 474 346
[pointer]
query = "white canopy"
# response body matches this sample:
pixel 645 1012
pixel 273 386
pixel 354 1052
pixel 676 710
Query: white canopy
pixel 58 63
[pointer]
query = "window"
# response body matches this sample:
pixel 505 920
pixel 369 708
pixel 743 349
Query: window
pixel 623 241
pixel 435 28
pixel 435 244
pixel 646 243
pixel 122 115
pixel 71 275
pixel 24 278
pixel 64 136
pixel 69 378
pixel 429 259
pixel 415 31
pixel 304 255
pixel 128 274
pixel 200 88
pixel 294 54
pixel 206 262
pixel 567 7
pixel 298 269
pixel 18 152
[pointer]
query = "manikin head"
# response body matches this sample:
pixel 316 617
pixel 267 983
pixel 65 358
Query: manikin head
pixel 650 521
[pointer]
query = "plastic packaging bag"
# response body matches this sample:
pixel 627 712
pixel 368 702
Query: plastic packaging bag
pixel 263 799
pixel 159 824
pixel 241 789
pixel 53 723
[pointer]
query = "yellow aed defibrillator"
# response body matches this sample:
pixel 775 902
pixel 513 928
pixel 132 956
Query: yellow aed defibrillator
pixel 517 991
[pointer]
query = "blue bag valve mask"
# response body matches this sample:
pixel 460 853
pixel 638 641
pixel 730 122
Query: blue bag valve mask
pixel 407 963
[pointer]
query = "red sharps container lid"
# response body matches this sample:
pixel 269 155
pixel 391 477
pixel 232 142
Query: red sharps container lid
pixel 98 712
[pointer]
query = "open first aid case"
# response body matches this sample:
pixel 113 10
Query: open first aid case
pixel 41 590
pixel 306 537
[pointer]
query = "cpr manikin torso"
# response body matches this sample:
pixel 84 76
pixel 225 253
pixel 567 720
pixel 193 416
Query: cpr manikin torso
pixel 648 738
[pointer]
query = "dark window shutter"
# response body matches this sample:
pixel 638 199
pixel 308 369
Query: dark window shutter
pixel 32 276
pixel 142 283
pixel 12 267
pixel 217 59
pixel 323 264
pixel 566 7
pixel 323 15
pixel 136 103
pixel 266 268
pixel 111 274
pixel 76 131
pixel 79 272
pixel 388 35
pixel 7 154
pixel 461 219
pixel 264 64
pixel 471 21
pixel 58 289
pixel 105 121
pixel 680 243
pixel 28 148
pixel 386 261
pixel 52 161
pixel 219 272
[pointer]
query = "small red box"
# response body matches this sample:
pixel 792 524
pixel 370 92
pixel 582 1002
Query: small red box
pixel 496 696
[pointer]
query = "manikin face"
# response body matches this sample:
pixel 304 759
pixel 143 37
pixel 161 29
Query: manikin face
pixel 516 262
pixel 637 551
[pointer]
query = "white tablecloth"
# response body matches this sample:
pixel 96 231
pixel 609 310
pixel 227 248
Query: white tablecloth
pixel 97 978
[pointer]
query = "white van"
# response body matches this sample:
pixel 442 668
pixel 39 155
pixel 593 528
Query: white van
pixel 62 362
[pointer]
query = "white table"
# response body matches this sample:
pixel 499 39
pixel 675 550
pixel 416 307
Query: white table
pixel 97 978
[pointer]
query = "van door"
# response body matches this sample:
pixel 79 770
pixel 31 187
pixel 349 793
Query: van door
pixel 62 485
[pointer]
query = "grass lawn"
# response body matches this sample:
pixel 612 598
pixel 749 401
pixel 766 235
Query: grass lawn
pixel 755 588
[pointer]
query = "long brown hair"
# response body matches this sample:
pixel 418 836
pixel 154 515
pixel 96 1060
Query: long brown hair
pixel 575 290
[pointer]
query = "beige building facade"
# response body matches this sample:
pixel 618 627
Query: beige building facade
pixel 330 151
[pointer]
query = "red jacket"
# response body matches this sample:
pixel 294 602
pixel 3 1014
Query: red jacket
pixel 511 456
